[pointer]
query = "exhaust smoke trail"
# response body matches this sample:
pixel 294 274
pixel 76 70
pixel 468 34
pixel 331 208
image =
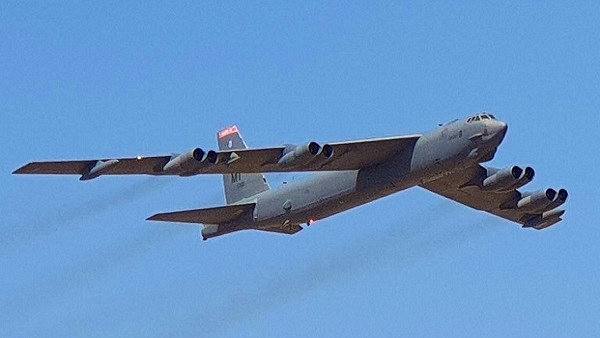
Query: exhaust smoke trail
pixel 71 215
pixel 87 271
pixel 424 234
pixel 96 266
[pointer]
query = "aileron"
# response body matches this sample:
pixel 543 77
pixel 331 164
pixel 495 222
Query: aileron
pixel 55 167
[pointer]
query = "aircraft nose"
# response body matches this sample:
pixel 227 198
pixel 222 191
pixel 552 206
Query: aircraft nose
pixel 502 127
pixel 497 129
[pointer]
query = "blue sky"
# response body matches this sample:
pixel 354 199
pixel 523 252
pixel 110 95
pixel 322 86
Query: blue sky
pixel 121 78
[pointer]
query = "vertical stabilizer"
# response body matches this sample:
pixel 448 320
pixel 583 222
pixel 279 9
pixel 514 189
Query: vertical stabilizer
pixel 239 186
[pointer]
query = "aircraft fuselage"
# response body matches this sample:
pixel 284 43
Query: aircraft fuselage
pixel 456 145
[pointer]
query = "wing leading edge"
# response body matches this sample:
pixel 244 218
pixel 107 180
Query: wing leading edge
pixel 474 187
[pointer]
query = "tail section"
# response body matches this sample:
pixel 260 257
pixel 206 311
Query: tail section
pixel 222 220
pixel 215 215
pixel 239 186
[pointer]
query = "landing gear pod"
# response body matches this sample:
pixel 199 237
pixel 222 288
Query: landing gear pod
pixel 98 169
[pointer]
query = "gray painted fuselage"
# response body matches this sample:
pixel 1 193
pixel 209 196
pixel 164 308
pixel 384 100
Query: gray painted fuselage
pixel 452 146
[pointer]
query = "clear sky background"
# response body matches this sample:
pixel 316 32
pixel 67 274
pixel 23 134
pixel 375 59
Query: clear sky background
pixel 112 79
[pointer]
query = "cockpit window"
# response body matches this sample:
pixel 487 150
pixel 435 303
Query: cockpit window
pixel 481 117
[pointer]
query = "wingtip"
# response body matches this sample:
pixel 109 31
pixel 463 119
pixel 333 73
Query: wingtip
pixel 25 169
pixel 155 217
pixel 19 170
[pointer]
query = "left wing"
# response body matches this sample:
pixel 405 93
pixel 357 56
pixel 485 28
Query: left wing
pixel 352 155
pixel 495 191
pixel 89 169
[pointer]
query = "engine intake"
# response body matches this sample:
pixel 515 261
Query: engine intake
pixel 327 151
pixel 212 156
pixel 526 177
pixel 561 198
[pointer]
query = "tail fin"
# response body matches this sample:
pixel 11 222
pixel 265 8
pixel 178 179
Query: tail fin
pixel 239 186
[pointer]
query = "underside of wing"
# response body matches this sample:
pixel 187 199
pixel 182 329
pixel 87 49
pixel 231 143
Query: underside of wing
pixel 311 156
pixel 89 169
pixel 55 167
pixel 352 155
pixel 496 191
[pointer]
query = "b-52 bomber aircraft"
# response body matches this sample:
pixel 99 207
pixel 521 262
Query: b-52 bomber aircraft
pixel 445 161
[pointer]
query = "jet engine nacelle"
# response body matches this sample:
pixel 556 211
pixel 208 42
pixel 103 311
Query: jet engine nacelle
pixel 561 197
pixel 538 200
pixel 327 151
pixel 186 162
pixel 293 155
pixel 212 157
pixel 508 178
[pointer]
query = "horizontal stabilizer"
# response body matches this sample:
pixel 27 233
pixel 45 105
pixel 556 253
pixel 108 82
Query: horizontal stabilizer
pixel 216 215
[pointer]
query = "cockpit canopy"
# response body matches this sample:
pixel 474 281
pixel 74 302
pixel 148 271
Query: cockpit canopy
pixel 481 117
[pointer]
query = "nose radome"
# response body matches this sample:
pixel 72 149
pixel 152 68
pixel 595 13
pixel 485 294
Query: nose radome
pixel 503 126
pixel 498 127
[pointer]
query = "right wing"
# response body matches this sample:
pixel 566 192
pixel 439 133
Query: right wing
pixel 351 155
pixel 536 210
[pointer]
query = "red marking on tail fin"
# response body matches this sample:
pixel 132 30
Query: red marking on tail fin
pixel 227 131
